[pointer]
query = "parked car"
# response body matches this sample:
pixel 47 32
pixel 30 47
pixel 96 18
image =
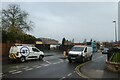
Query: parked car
pixel 80 53
pixel 23 53
pixel 105 51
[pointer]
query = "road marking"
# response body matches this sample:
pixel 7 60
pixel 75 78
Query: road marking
pixel 48 62
pixel 47 65
pixel 77 69
pixel 1 73
pixel 69 74
pixel 63 77
pixel 35 66
pixel 38 66
pixel 25 68
pixel 12 71
pixel 4 75
pixel 17 72
pixel 29 69
pixel 58 62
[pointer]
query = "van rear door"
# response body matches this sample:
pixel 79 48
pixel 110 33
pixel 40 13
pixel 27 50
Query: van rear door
pixel 13 49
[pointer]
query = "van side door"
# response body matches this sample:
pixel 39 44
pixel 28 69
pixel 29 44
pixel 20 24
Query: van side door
pixel 36 52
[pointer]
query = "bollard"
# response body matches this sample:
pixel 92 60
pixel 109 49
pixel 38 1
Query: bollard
pixel 64 54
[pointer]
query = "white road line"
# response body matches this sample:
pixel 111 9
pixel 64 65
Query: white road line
pixel 35 66
pixel 29 69
pixel 17 72
pixel 25 68
pixel 47 61
pixel 38 66
pixel 58 62
pixel 63 77
pixel 69 74
pixel 1 73
pixel 4 75
pixel 47 65
pixel 12 71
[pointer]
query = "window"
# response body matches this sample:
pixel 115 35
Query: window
pixel 77 49
pixel 86 49
pixel 35 49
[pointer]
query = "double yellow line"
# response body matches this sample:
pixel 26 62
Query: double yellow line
pixel 77 70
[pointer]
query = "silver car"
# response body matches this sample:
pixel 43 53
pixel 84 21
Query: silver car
pixel 105 51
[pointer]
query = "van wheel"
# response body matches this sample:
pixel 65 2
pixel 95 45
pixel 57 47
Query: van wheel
pixel 40 57
pixel 22 59
pixel 83 59
pixel 90 58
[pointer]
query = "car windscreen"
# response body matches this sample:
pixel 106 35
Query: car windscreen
pixel 77 48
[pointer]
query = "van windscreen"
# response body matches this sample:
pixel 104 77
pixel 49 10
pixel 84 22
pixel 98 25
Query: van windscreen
pixel 77 49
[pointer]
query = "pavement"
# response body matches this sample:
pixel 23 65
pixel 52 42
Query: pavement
pixel 97 69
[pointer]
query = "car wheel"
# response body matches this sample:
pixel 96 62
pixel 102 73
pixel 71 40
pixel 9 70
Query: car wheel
pixel 22 59
pixel 40 57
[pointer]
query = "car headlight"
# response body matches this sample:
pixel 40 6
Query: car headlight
pixel 80 54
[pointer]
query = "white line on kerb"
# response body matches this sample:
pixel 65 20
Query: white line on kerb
pixel 29 69
pixel 17 72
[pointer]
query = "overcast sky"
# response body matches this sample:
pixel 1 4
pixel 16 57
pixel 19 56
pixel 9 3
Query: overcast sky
pixel 78 20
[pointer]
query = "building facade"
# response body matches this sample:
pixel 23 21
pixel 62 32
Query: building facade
pixel 49 41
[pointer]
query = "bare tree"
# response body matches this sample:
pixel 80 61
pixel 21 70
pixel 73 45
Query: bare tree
pixel 15 18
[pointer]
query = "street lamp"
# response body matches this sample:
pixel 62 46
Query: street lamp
pixel 115 31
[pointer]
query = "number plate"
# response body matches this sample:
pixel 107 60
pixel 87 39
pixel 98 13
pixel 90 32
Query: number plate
pixel 72 57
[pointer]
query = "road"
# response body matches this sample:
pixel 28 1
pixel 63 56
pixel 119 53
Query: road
pixel 53 66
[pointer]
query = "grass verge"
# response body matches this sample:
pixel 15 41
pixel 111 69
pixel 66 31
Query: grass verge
pixel 116 57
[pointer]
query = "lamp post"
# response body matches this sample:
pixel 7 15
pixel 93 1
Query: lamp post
pixel 115 31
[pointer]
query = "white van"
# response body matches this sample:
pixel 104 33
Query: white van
pixel 23 53
pixel 80 53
